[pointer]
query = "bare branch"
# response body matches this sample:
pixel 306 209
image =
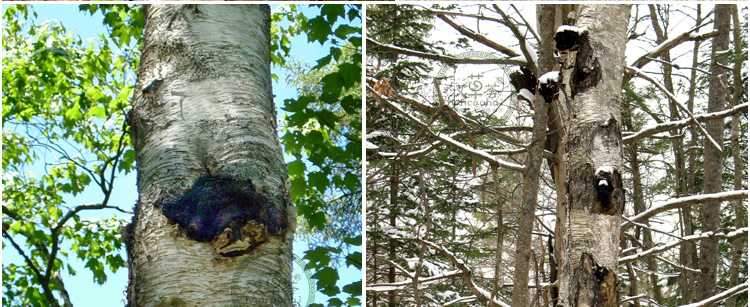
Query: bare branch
pixel 448 59
pixel 530 60
pixel 666 126
pixel 404 284
pixel 467 274
pixel 738 289
pixel 664 247
pixel 669 44
pixel 463 147
pixel 674 99
pixel 477 36
pixel 687 201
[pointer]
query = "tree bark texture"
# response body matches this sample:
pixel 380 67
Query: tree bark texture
pixel 590 199
pixel 212 226
pixel 712 161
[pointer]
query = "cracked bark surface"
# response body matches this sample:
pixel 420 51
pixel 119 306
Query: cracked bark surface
pixel 210 113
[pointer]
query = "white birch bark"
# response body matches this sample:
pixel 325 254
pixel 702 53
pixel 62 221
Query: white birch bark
pixel 591 144
pixel 211 114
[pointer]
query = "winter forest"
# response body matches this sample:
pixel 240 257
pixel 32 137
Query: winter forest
pixel 556 155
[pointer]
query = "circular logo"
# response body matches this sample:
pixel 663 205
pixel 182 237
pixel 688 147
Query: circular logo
pixel 478 89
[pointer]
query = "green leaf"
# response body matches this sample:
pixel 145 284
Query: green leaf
pixel 296 168
pixel 297 190
pixel 354 259
pixel 319 181
pixel 343 31
pixel 317 220
pixel 327 118
pixel 74 113
pixel 323 62
pixel 332 11
pixel 350 74
pixel 317 257
pixel 335 301
pixel 97 111
pixel 356 240
pixel 319 30
pixel 354 288
pixel 327 278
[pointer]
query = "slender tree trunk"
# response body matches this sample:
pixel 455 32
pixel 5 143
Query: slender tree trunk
pixel 638 201
pixel 677 150
pixel 688 253
pixel 498 202
pixel 549 18
pixel 212 226
pixel 534 158
pixel 393 190
pixel 591 197
pixel 738 244
pixel 712 161
pixel 632 285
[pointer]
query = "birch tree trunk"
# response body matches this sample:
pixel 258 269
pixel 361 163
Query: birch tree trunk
pixel 590 200
pixel 712 161
pixel 212 224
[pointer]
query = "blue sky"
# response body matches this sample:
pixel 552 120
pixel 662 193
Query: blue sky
pixel 81 287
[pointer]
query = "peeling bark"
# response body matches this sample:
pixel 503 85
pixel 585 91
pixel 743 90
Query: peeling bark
pixel 591 201
pixel 205 110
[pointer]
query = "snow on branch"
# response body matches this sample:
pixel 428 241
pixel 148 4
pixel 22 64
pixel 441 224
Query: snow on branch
pixel 550 77
pixel 664 247
pixel 448 59
pixel 407 283
pixel 674 99
pixel 463 147
pixel 666 126
pixel 738 289
pixel 464 299
pixel 668 44
pixel 467 274
pixel 687 201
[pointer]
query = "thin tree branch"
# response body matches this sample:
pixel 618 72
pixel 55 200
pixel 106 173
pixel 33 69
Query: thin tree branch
pixel 738 289
pixel 463 147
pixel 530 60
pixel 674 99
pixel 477 37
pixel 687 201
pixel 666 126
pixel 44 281
pixel 664 247
pixel 448 59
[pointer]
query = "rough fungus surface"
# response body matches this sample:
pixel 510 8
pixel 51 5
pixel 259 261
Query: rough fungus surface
pixel 599 278
pixel 232 214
